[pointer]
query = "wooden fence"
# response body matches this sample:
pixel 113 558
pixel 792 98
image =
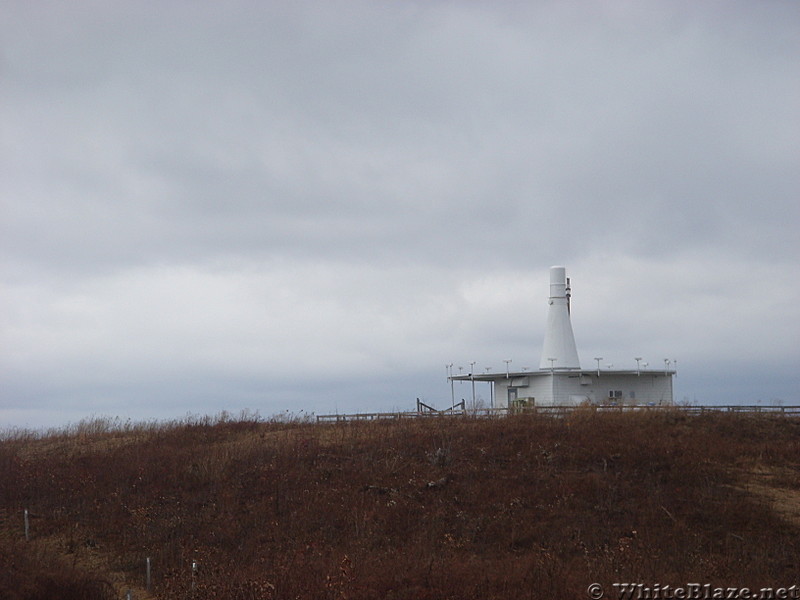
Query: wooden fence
pixel 459 410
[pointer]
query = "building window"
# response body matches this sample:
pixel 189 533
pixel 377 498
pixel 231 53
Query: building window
pixel 614 394
pixel 632 395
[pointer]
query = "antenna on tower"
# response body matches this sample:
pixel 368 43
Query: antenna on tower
pixel 568 291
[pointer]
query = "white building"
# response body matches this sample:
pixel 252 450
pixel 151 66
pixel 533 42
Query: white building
pixel 560 379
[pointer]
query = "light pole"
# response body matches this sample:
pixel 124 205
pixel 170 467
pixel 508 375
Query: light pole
pixel 553 379
pixel 507 360
pixel 638 372
pixel 452 388
pixel 472 378
pixel 666 366
pixel 491 389
pixel 598 359
pixel 460 389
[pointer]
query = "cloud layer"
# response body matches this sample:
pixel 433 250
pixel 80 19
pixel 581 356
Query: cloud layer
pixel 316 206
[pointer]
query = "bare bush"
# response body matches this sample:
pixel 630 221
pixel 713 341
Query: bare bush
pixel 526 506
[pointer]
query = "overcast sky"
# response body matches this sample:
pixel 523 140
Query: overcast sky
pixel 286 206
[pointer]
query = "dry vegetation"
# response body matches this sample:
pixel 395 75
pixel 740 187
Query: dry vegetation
pixel 520 507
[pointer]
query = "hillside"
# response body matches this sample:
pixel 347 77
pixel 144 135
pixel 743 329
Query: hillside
pixel 519 507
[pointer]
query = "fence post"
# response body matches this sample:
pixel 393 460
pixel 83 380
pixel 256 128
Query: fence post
pixel 147 580
pixel 27 526
pixel 194 572
pixel 129 595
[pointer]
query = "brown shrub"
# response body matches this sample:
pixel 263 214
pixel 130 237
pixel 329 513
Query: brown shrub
pixel 527 506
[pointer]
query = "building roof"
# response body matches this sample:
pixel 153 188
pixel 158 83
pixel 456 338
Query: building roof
pixel 495 376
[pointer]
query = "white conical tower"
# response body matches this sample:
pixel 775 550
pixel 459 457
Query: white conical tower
pixel 559 351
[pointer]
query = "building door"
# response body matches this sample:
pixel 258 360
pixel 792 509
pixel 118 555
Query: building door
pixel 512 397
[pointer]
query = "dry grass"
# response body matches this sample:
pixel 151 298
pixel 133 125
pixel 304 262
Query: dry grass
pixel 777 485
pixel 522 507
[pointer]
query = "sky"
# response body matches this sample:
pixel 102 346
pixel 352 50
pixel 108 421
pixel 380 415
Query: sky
pixel 312 207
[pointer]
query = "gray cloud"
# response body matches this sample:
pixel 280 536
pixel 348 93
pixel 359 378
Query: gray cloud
pixel 345 196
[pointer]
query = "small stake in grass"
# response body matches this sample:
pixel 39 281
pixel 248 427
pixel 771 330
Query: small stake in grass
pixel 147 580
pixel 27 526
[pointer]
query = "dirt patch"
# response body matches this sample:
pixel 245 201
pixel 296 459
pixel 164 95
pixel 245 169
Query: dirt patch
pixel 778 486
pixel 83 554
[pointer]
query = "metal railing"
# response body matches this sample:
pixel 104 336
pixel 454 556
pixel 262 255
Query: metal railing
pixel 425 411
